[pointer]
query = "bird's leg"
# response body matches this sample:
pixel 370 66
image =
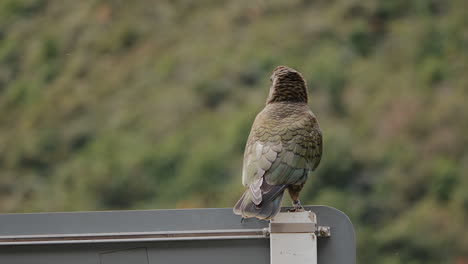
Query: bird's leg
pixel 294 191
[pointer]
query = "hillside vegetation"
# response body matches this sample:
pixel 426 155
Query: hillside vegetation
pixel 148 104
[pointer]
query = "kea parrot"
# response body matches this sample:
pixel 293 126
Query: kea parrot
pixel 283 148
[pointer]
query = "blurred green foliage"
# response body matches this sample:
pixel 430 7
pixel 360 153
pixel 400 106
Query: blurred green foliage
pixel 147 104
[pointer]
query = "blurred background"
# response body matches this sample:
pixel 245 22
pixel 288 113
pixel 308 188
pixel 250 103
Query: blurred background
pixel 109 105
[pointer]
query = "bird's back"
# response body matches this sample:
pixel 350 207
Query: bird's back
pixel 289 129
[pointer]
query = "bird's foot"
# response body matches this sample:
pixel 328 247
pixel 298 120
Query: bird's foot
pixel 297 207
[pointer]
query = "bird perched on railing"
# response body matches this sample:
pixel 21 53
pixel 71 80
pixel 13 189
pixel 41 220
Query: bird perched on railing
pixel 284 146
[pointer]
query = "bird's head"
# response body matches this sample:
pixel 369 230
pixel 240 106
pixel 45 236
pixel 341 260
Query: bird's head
pixel 288 85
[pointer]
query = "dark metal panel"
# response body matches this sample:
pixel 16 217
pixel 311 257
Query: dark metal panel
pixel 206 252
pixel 123 221
pixel 338 249
pixel 49 254
pixel 128 256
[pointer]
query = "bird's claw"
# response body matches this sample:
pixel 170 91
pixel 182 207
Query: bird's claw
pixel 297 207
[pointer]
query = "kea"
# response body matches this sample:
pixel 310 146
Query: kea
pixel 283 148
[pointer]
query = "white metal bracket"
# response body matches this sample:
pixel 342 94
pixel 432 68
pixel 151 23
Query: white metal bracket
pixel 293 237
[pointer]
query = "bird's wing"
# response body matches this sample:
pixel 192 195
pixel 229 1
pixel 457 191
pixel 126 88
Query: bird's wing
pixel 277 156
pixel 313 141
pixel 258 159
pixel 300 154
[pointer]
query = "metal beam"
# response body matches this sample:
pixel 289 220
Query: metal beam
pixel 134 237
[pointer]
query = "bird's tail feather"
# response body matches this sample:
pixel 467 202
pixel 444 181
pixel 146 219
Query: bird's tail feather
pixel 265 210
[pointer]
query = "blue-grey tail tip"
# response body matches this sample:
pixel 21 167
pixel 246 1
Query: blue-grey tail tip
pixel 247 209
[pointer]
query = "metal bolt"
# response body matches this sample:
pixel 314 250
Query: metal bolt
pixel 323 231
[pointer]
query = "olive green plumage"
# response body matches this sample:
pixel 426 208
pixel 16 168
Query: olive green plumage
pixel 284 146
